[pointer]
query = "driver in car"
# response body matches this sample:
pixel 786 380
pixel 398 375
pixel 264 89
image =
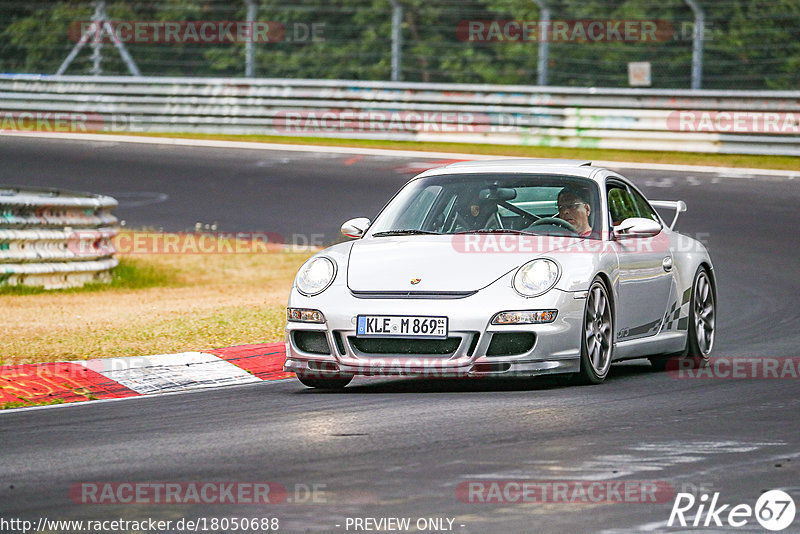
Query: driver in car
pixel 573 207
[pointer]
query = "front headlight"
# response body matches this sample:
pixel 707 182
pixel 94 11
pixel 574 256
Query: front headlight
pixel 302 315
pixel 315 276
pixel 536 277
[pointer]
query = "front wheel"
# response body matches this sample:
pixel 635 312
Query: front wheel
pixel 597 341
pixel 324 382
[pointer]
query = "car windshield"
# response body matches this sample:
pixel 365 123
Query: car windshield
pixel 498 203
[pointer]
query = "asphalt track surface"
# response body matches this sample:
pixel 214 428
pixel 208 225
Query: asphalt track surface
pixel 399 447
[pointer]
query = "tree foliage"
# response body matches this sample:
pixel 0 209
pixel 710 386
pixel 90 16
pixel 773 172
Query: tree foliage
pixel 748 44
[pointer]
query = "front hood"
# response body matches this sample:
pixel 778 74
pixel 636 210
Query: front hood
pixel 441 263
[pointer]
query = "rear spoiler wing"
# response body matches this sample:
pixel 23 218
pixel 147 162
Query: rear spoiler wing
pixel 678 205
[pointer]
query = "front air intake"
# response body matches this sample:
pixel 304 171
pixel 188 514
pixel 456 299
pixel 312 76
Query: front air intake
pixel 510 343
pixel 311 341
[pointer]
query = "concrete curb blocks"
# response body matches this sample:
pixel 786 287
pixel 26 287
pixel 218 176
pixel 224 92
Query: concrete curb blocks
pixel 49 383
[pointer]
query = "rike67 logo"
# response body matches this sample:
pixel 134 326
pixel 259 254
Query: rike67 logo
pixel 774 510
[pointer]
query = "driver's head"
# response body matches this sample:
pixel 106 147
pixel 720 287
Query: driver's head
pixel 573 207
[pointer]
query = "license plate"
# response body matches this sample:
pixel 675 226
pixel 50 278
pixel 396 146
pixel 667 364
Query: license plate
pixel 401 326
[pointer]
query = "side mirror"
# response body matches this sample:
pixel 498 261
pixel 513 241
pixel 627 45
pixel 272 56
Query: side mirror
pixel 355 227
pixel 637 227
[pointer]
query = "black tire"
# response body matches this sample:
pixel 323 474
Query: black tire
pixel 324 382
pixel 702 325
pixel 597 335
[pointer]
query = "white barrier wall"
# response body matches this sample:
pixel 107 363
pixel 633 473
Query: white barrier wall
pixel 744 122
pixel 55 238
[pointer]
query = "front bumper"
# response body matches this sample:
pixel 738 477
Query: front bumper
pixel 555 348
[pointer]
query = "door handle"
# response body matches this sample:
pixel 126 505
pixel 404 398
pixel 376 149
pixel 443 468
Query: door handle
pixel 666 263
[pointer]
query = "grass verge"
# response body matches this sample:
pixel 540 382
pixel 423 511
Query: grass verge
pixel 131 273
pixel 640 156
pixel 157 303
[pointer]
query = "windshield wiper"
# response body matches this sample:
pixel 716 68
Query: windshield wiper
pixel 404 232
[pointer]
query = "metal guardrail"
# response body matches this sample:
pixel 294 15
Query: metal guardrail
pixel 55 238
pixel 639 119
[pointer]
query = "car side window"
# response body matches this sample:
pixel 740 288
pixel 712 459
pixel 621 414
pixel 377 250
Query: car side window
pixel 644 208
pixel 621 205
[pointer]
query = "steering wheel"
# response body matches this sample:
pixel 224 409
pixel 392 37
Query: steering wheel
pixel 556 221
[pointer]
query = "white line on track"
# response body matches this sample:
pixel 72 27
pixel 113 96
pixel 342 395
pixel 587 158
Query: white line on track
pixel 726 172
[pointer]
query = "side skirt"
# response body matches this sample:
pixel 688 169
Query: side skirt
pixel 664 343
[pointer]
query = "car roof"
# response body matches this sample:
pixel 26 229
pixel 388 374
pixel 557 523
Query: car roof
pixel 520 161
pixel 571 167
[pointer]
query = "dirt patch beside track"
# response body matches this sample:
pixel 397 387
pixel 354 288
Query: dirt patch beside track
pixel 214 300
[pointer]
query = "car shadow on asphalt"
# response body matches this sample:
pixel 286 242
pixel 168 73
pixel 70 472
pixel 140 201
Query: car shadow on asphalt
pixel 365 385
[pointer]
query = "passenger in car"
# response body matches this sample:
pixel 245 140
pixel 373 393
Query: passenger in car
pixel 477 214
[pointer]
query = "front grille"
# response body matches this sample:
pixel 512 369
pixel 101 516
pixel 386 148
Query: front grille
pixel 381 345
pixel 510 343
pixel 310 341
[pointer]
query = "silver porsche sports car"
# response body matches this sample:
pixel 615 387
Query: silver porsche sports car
pixel 503 268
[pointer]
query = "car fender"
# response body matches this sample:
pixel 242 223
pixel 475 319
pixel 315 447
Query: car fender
pixel 579 268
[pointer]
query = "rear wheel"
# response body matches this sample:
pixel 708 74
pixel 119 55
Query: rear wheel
pixel 324 382
pixel 702 326
pixel 597 336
